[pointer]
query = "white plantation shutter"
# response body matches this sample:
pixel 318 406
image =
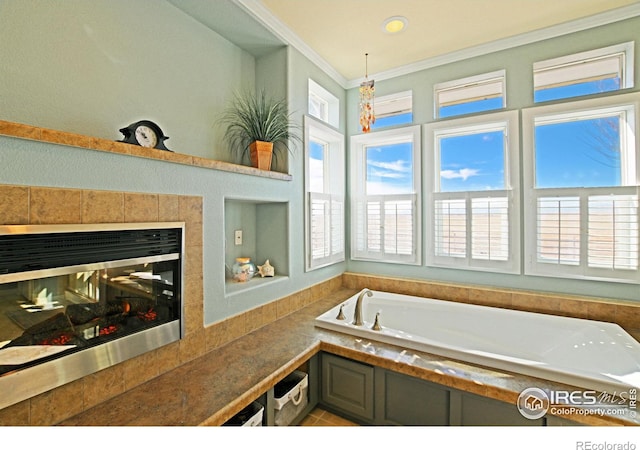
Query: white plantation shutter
pixel 450 227
pixel 399 226
pixel 472 226
pixel 373 226
pixel 320 221
pixel 589 235
pixel 490 228
pixel 385 227
pixel 327 225
pixel 613 232
pixel 337 227
pixel 558 230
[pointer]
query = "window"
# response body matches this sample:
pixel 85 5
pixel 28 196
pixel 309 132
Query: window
pixel 582 168
pixel 394 109
pixel 385 187
pixel 472 192
pixel 323 105
pixel 479 93
pixel 324 187
pixel 601 70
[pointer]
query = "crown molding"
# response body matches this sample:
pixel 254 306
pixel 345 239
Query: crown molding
pixel 256 9
pixel 276 26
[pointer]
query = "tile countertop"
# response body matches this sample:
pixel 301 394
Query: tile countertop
pixel 213 388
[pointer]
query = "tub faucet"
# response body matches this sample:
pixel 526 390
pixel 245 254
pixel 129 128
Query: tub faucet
pixel 357 316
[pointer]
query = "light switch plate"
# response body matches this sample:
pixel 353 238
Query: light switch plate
pixel 238 237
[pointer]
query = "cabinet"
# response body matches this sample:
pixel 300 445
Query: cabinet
pixel 348 386
pixel 476 410
pixel 404 400
pixel 376 396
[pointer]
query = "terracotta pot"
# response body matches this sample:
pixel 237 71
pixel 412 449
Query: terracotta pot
pixel 261 154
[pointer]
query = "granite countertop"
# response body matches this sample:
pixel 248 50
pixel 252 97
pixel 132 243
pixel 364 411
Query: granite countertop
pixel 214 387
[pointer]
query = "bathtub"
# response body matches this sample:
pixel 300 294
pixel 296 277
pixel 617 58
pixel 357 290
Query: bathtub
pixel 589 354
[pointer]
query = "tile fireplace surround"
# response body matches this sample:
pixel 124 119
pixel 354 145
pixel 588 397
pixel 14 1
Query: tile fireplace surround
pixel 23 205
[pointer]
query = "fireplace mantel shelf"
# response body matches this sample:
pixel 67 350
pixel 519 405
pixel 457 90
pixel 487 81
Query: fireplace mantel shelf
pixel 23 131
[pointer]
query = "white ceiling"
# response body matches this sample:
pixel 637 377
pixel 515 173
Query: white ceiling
pixel 339 32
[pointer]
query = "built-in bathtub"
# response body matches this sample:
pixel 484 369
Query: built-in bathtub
pixel 579 352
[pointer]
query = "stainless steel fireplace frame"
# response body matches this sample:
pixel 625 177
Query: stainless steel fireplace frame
pixel 23 384
pixel 23 276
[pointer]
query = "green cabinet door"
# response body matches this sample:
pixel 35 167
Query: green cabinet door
pixel 347 386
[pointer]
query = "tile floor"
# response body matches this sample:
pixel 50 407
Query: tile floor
pixel 321 418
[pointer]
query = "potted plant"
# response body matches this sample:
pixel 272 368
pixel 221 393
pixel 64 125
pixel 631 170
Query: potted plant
pixel 259 126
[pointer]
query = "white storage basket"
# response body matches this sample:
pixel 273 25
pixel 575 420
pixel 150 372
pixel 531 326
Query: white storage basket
pixel 251 416
pixel 290 397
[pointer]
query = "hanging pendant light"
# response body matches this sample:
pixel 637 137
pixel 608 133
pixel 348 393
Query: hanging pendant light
pixel 367 91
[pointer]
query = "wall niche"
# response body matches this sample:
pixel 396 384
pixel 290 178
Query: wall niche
pixel 265 227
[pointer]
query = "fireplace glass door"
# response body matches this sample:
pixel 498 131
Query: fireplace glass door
pixel 43 317
pixel 63 291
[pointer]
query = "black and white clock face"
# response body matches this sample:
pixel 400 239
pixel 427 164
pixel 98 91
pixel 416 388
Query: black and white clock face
pixel 146 137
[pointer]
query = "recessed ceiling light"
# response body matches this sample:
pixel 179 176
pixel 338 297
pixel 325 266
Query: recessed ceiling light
pixel 395 24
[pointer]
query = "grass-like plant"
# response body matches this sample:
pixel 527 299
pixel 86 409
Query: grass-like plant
pixel 253 117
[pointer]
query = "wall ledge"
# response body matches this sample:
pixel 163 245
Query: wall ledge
pixel 22 131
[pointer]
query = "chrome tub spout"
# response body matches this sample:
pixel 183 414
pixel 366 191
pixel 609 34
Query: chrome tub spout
pixel 357 317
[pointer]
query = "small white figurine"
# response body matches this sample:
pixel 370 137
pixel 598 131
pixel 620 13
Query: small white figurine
pixel 266 270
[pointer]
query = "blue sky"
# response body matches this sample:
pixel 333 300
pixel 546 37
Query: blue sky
pixel 389 169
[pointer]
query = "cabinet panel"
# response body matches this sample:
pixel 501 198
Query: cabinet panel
pixel 478 411
pixel 405 400
pixel 348 386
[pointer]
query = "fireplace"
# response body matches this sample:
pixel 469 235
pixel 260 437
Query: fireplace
pixel 75 299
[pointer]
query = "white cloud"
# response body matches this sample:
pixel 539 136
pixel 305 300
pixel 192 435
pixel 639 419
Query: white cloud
pixel 392 169
pixel 462 173
pixel 394 166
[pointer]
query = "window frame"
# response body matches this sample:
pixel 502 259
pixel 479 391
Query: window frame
pixel 461 84
pixel 334 186
pixel 357 192
pixel 382 111
pixel 625 51
pixel 630 185
pixel 509 120
pixel 317 93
